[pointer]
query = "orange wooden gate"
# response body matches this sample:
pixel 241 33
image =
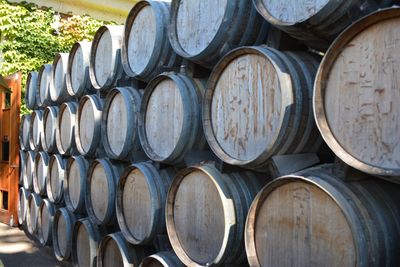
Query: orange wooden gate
pixel 10 101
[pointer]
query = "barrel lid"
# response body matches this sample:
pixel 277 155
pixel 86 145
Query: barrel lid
pixel 294 210
pixel 140 38
pixel 196 25
pixel 246 106
pixel 45 83
pixel 293 11
pixel 77 79
pixel 356 92
pixel 200 214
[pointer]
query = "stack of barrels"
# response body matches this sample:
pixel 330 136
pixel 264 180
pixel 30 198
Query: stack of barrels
pixel 152 145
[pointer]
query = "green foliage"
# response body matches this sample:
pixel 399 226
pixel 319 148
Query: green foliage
pixel 32 37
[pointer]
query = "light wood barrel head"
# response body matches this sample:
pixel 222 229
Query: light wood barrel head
pixel 32 209
pixel 198 23
pixel 65 124
pixel 289 224
pixel 99 191
pixel 50 118
pixel 111 255
pixel 62 234
pixel 198 219
pixel 74 183
pixel 246 107
pixel 164 118
pixel 60 65
pixel 45 222
pixel 31 89
pixel 292 11
pixel 356 92
pixel 87 124
pixel 103 60
pixel 77 69
pixel 45 83
pixel 142 38
pixel 117 123
pixel 25 130
pixel 83 247
pixel 137 205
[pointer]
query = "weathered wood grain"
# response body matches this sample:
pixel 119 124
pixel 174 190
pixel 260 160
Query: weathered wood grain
pixel 312 218
pixel 77 76
pixel 355 95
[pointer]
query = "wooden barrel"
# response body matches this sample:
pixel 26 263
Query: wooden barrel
pixel 31 90
pixel 170 118
pixel 356 95
pixel 320 219
pixel 258 104
pixel 55 182
pixel 32 213
pixel 78 80
pixel 22 169
pixel 88 125
pixel 65 135
pixel 162 259
pixel 146 50
pixel 24 132
pixel 62 233
pixel 206 213
pixel 115 251
pixel 50 118
pixel 85 241
pixel 45 222
pixel 120 122
pixel 29 171
pixel 141 198
pixel 36 130
pixel 316 23
pixel 23 196
pixel 102 181
pixel 40 175
pixel 58 92
pixel 44 84
pixel 203 31
pixel 105 57
pixel 75 184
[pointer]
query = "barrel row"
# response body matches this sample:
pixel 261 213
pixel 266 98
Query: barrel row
pixel 242 212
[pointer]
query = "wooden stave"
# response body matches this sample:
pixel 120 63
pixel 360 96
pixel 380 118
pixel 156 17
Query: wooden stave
pixel 221 43
pixel 163 56
pixel 319 91
pixel 32 227
pixel 239 187
pixel 22 172
pixel 24 144
pixel 36 144
pixel 192 135
pixel 28 177
pixel 159 182
pixel 320 30
pixel 40 189
pixel 133 99
pixel 131 255
pixel 113 173
pixel 61 162
pixel 72 108
pixel 83 167
pixel 62 95
pixel 23 195
pixel 51 209
pixel 85 88
pixel 95 235
pixel 31 92
pixel 356 200
pixel 70 220
pixel 116 32
pixel 97 103
pixel 46 69
pixel 285 143
pixel 163 258
pixel 52 111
